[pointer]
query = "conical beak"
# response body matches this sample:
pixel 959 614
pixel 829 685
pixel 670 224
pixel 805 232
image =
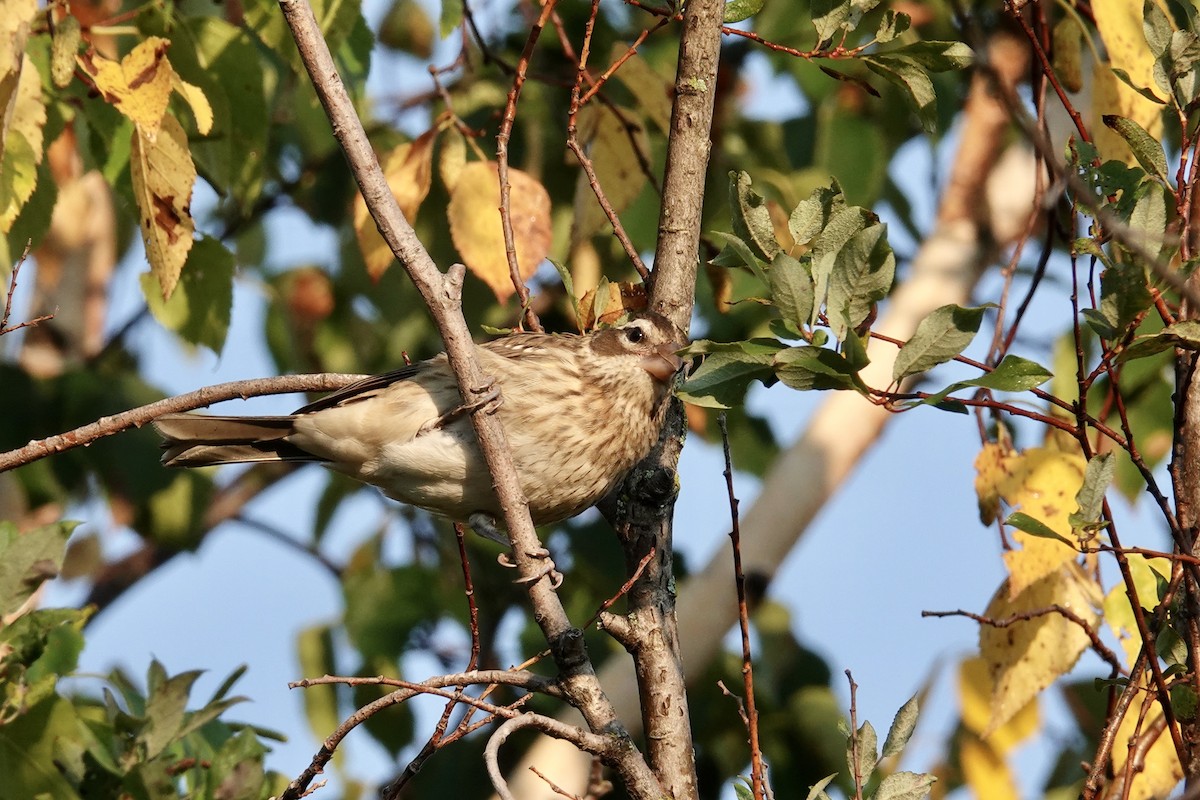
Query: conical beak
pixel 664 363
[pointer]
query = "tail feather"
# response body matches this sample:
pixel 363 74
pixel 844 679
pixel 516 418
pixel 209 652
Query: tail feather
pixel 197 440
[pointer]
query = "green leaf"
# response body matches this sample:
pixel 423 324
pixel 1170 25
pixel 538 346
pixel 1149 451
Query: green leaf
pixel 808 368
pixel 854 348
pixel 862 274
pixel 1146 149
pixel 736 253
pixel 817 790
pixel 1124 295
pixel 829 17
pixel 904 786
pixel 451 18
pixel 937 56
pixel 314 649
pixel 902 728
pixel 1035 527
pixel 1156 28
pixel 1149 218
pixel 939 337
pixel 751 219
pixel 199 307
pixel 29 559
pixel 564 273
pixel 1012 374
pixel 917 86
pixel 862 752
pixel 738 10
pixel 1185 334
pixel 792 289
pixel 1144 91
pixel 891 25
pixel 741 790
pixel 165 708
pixel 722 380
pixel 810 216
pixel 1096 480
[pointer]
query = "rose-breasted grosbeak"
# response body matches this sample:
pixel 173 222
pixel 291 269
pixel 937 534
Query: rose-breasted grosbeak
pixel 579 412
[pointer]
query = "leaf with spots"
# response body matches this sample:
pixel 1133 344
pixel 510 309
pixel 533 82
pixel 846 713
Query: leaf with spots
pixel 163 174
pixel 1029 654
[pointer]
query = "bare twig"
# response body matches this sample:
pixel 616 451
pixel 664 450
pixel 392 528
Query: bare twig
pixel 757 781
pixel 858 777
pixel 137 417
pixel 1100 648
pixel 588 742
pixel 502 138
pixel 8 299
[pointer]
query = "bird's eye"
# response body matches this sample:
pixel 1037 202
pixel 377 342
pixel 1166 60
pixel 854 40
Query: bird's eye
pixel 635 334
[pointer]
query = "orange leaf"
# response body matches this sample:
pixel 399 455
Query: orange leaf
pixel 409 172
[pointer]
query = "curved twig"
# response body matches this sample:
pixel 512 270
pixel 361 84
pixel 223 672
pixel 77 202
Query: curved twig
pixel 589 742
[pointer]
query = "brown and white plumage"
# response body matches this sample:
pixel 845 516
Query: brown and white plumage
pixel 579 412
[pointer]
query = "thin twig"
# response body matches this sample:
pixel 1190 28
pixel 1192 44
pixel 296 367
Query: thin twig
pixel 502 138
pixel 142 415
pixel 739 576
pixel 1098 646
pixel 8 300
pixel 854 742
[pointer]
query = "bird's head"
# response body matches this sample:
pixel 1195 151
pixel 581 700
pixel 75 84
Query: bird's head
pixel 648 339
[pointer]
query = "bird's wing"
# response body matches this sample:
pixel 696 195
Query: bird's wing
pixel 531 347
pixel 364 389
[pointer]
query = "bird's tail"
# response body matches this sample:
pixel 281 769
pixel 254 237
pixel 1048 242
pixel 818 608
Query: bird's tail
pixel 198 440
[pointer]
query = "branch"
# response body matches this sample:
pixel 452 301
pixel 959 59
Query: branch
pixel 137 417
pixel 442 295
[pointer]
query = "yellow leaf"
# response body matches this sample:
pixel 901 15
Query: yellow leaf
pixel 1042 483
pixel 975 690
pixel 1159 771
pixel 985 772
pixel 990 475
pixel 138 86
pixel 614 143
pixel 1030 654
pixel 15 19
pixel 196 100
pixel 409 172
pixel 1120 26
pixel 21 147
pixel 1118 613
pixel 475 226
pixel 163 175
pixel 453 158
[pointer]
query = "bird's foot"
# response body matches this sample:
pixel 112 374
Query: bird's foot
pixel 547 569
pixel 489 402
pixel 485 526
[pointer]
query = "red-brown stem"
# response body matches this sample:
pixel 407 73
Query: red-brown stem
pixel 757 779
pixel 502 139
pixel 573 143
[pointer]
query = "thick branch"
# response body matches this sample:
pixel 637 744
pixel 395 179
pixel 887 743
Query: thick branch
pixel 442 295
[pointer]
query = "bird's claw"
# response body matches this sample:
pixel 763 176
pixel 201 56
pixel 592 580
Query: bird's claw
pixel 547 569
pixel 489 401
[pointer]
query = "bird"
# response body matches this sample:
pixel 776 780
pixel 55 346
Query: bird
pixel 579 411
